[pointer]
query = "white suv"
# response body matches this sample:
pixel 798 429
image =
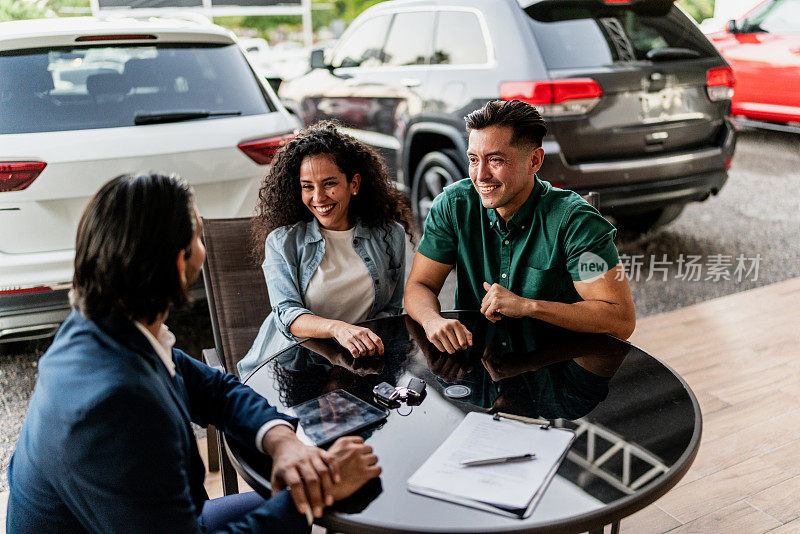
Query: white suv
pixel 83 100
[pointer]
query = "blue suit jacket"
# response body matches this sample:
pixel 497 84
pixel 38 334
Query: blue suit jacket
pixel 107 445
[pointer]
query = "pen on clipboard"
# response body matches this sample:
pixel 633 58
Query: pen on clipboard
pixel 499 460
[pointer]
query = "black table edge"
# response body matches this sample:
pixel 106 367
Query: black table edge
pixel 623 508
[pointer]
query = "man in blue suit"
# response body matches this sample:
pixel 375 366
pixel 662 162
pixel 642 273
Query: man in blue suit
pixel 107 445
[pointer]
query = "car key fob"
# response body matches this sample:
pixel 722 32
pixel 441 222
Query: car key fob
pixel 415 392
pixel 387 395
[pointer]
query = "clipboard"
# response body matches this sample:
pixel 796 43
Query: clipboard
pixel 513 489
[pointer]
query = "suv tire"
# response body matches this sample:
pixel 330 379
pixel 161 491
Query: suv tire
pixel 641 223
pixel 435 171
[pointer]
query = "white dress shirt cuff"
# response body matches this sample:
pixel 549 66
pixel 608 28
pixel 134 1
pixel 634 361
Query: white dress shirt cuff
pixel 266 427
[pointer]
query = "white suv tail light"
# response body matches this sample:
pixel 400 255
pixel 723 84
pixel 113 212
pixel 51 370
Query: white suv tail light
pixel 18 290
pixel 116 37
pixel 556 98
pixel 263 150
pixel 17 175
pixel 720 82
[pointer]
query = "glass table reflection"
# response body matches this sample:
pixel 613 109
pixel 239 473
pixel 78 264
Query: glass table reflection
pixel 638 424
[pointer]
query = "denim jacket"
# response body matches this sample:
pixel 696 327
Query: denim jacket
pixel 292 255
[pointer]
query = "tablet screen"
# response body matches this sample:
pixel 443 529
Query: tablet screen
pixel 335 414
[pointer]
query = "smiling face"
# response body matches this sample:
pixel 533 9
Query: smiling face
pixel 325 191
pixel 502 173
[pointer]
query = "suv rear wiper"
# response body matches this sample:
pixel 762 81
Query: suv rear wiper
pixel 669 54
pixel 178 116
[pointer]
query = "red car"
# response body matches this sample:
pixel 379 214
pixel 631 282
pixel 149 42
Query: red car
pixel 763 47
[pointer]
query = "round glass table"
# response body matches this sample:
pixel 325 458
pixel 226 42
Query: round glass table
pixel 637 423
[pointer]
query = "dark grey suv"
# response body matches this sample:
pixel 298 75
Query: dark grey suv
pixel 636 98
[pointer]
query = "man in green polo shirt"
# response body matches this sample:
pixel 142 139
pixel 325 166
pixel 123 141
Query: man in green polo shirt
pixel 520 247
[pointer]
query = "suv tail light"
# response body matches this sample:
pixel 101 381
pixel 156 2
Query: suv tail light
pixel 19 290
pixel 556 98
pixel 720 82
pixel 263 150
pixel 17 175
pixel 120 37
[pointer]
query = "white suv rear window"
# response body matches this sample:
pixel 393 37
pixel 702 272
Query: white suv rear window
pixel 108 86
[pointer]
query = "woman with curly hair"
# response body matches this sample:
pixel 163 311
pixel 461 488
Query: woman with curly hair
pixel 334 227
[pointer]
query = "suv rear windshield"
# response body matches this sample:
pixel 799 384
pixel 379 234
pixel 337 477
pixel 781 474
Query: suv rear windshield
pixel 593 34
pixel 48 90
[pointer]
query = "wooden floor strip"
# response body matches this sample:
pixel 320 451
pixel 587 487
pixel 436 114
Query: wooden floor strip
pixel 740 354
pixel 738 517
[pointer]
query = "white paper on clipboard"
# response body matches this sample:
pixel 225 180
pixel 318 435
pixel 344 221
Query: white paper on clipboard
pixel 511 489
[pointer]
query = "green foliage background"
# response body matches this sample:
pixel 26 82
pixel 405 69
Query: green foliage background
pixel 34 9
pixel 345 10
pixel 329 10
pixel 699 9
pixel 16 10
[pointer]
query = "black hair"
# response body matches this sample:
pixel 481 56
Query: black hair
pixel 527 124
pixel 128 239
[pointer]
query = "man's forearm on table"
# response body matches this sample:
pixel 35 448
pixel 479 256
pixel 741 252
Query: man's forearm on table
pixel 586 316
pixel 421 302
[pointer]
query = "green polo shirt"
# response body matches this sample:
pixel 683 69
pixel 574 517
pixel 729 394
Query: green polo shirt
pixel 555 238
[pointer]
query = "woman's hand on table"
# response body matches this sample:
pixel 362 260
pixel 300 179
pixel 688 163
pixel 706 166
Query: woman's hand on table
pixel 357 465
pixel 309 472
pixel 359 341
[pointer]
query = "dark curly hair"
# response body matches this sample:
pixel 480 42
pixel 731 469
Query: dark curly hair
pixel 378 203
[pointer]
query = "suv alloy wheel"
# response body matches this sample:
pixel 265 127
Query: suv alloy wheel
pixel 435 171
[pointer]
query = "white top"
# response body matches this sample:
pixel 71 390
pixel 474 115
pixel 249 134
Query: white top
pixel 163 346
pixel 341 287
